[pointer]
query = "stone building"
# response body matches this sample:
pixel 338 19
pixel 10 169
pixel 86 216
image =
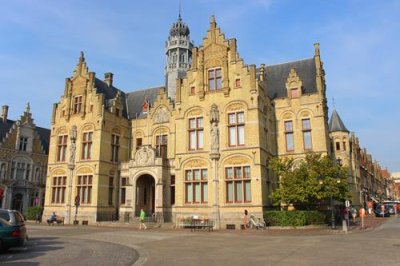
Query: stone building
pixel 198 146
pixel 367 181
pixel 23 161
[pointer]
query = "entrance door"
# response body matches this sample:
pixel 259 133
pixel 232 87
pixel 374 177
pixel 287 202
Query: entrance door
pixel 145 195
pixel 17 202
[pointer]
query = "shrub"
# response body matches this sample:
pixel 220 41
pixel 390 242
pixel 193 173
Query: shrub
pixel 294 218
pixel 32 212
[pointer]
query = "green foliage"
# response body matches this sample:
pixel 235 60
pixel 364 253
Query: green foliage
pixel 294 218
pixel 31 212
pixel 310 181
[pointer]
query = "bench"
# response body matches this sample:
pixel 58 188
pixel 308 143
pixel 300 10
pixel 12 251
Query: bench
pixel 59 220
pixel 199 224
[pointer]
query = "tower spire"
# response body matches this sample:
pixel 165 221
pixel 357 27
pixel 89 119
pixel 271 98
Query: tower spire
pixel 180 9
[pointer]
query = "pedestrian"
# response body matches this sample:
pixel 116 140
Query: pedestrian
pixel 354 214
pixel 142 215
pixel 245 220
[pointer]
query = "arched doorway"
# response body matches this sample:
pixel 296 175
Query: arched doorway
pixel 145 195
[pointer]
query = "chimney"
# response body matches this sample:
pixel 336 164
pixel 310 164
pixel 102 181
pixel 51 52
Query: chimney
pixel 108 78
pixel 4 113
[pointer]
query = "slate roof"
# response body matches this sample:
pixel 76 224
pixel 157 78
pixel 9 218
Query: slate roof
pixel 132 101
pixel 336 124
pixel 109 93
pixel 276 77
pixel 5 127
pixel 44 135
pixel 135 100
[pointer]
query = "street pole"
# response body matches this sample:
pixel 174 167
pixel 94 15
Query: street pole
pixel 333 226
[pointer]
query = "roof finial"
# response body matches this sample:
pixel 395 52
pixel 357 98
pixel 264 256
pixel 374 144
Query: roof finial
pixel 333 103
pixel 180 9
pixel 82 57
pixel 27 108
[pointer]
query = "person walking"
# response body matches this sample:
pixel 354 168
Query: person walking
pixel 245 220
pixel 142 215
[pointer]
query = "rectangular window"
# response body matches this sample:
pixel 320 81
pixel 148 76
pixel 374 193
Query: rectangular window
pixel 123 190
pixel 110 190
pixel 138 143
pixel 84 188
pixel 114 148
pixel 238 184
pixel 162 145
pixel 117 112
pixel 77 104
pixel 215 79
pixel 28 171
pixel 196 186
pixel 344 145
pixel 192 90
pixel 87 146
pixel 61 148
pixel 59 187
pixel 196 133
pixel 237 83
pixel 236 129
pixel 294 93
pixel 289 136
pixel 338 146
pixel 23 143
pixel 307 134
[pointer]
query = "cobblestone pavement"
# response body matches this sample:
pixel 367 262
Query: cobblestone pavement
pixel 120 244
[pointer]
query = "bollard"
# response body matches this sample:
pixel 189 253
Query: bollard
pixel 344 225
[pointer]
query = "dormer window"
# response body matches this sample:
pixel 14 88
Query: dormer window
pixel 117 112
pixel 77 104
pixel 215 79
pixel 145 107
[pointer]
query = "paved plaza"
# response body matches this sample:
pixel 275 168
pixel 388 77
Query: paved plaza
pixel 378 244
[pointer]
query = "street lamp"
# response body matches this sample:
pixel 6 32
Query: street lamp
pixel 330 190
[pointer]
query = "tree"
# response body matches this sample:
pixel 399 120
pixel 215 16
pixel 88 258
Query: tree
pixel 314 179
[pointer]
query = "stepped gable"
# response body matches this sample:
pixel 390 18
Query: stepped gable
pixel 336 124
pixel 135 100
pixel 276 77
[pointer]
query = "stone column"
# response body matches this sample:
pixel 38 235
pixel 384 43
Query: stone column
pixel 71 166
pixel 158 197
pixel 215 155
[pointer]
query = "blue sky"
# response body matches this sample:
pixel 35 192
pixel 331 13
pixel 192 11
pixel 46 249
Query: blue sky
pixel 360 39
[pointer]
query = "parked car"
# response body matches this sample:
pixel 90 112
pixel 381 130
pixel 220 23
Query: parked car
pixel 12 229
pixel 391 209
pixel 381 211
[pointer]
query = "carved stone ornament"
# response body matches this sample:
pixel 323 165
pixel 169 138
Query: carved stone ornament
pixel 161 115
pixel 144 156
pixel 214 131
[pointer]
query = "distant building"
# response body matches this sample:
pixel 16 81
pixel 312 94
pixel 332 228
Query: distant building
pixel 23 161
pixel 396 185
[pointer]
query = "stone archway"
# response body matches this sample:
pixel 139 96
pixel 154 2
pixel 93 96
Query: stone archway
pixel 145 195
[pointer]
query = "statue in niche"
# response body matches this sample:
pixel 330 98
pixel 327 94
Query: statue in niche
pixel 73 135
pixel 214 132
pixel 214 114
pixel 214 138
